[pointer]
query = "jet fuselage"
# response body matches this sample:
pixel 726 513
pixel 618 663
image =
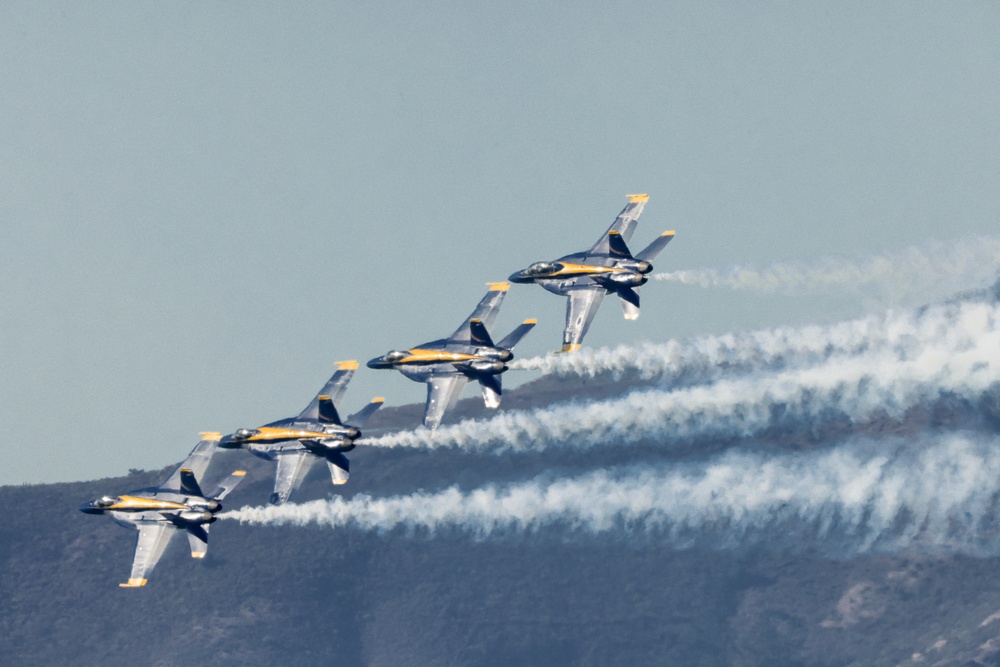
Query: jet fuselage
pixel 439 357
pixel 153 504
pixel 584 270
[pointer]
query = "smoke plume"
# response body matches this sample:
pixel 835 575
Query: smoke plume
pixel 957 351
pixel 707 358
pixel 937 494
pixel 937 265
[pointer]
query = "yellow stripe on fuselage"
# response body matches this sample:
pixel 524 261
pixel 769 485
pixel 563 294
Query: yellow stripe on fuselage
pixel 583 270
pixel 419 356
pixel 141 504
pixel 270 434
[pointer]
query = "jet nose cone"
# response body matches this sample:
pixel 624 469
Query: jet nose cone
pixel 375 363
pixel 517 277
pixel 88 508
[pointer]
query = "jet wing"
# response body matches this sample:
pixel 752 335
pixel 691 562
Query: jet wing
pixel 196 463
pixel 153 539
pixel 334 388
pixel 292 469
pixel 486 312
pixel 624 224
pixel 581 306
pixel 442 393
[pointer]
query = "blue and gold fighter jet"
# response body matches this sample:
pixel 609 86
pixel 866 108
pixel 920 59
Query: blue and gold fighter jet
pixel 159 512
pixel 469 353
pixel 316 433
pixel 607 268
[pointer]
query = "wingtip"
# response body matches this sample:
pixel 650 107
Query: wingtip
pixel 133 583
pixel 499 287
pixel 669 233
pixel 239 473
pixel 531 321
pixel 210 435
pixel 351 365
pixel 378 399
pixel 198 554
pixel 638 199
pixel 569 347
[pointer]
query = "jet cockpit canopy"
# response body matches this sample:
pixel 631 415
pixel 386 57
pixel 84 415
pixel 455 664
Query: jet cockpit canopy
pixel 395 356
pixel 542 268
pixel 105 501
pixel 245 433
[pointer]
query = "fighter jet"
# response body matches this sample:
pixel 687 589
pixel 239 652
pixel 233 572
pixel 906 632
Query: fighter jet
pixel 159 512
pixel 607 268
pixel 468 354
pixel 317 433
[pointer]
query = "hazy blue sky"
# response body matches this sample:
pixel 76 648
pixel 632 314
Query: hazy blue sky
pixel 205 204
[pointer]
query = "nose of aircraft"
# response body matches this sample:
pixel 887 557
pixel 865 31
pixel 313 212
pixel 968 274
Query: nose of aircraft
pixel 517 277
pixel 88 508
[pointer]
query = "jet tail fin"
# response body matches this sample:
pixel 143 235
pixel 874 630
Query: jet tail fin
pixel 198 539
pixel 617 246
pixel 479 335
pixel 629 297
pixel 515 336
pixel 492 390
pixel 334 389
pixel 360 418
pixel 189 484
pixel 340 467
pixel 649 253
pixel 228 484
pixel 326 411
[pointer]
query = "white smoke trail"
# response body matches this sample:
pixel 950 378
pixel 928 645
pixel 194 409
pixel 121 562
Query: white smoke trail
pixel 709 357
pixel 960 356
pixel 935 495
pixel 937 265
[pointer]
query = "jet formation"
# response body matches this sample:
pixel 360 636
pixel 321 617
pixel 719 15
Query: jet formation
pixel 446 365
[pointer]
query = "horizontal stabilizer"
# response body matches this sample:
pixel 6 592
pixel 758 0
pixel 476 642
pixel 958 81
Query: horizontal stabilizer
pixel 630 302
pixel 327 411
pixel 340 467
pixel 228 484
pixel 189 485
pixel 480 336
pixel 617 245
pixel 649 253
pixel 491 390
pixel 133 583
pixel 360 418
pixel 515 336
pixel 198 539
